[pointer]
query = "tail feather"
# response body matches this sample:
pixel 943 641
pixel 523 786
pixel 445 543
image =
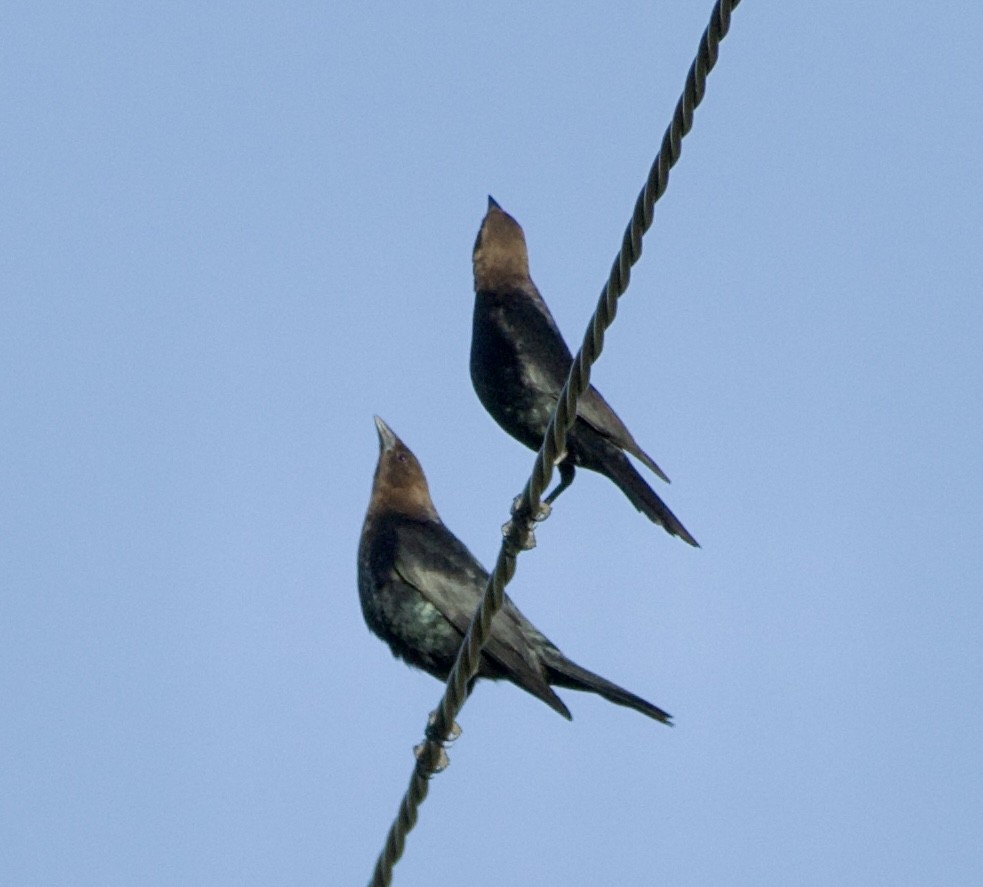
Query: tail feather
pixel 562 672
pixel 533 681
pixel 642 496
pixel 553 701
pixel 651 463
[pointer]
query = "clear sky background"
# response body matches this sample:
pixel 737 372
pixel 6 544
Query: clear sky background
pixel 231 233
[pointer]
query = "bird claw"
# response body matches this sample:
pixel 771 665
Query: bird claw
pixel 442 762
pixel 454 734
pixel 544 509
pixel 519 531
pixel 523 539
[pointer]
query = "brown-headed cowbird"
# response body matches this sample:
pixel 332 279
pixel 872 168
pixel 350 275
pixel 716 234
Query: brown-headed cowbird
pixel 519 362
pixel 419 587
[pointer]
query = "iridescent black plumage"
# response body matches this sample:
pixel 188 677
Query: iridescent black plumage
pixel 519 362
pixel 419 587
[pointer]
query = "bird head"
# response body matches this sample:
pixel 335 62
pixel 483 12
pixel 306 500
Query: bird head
pixel 500 258
pixel 399 484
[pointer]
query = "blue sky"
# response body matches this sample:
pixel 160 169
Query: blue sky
pixel 231 233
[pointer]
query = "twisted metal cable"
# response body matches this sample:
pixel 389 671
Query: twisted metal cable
pixel 529 504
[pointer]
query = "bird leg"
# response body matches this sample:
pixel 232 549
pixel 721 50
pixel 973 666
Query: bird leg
pixel 567 471
pixel 526 537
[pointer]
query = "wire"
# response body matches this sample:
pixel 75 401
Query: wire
pixel 528 507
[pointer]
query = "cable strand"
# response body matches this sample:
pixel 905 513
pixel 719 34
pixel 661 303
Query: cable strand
pixel 553 446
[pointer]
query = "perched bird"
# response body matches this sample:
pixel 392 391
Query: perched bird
pixel 519 363
pixel 419 587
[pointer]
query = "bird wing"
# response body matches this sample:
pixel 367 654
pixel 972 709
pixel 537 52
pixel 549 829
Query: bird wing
pixel 596 412
pixel 546 363
pixel 437 564
pixel 539 343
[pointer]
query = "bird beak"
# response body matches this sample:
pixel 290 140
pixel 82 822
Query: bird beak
pixel 387 440
pixel 492 203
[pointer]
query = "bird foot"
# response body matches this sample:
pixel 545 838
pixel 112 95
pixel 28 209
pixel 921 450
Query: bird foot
pixel 544 509
pixel 439 760
pixel 454 734
pixel 441 763
pixel 519 530
pixel 522 539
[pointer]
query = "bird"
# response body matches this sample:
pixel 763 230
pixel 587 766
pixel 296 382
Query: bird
pixel 519 362
pixel 419 586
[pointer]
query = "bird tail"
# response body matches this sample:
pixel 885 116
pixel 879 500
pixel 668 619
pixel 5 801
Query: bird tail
pixel 643 497
pixel 561 672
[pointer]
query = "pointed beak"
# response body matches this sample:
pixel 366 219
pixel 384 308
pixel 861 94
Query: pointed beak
pixel 492 203
pixel 387 440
